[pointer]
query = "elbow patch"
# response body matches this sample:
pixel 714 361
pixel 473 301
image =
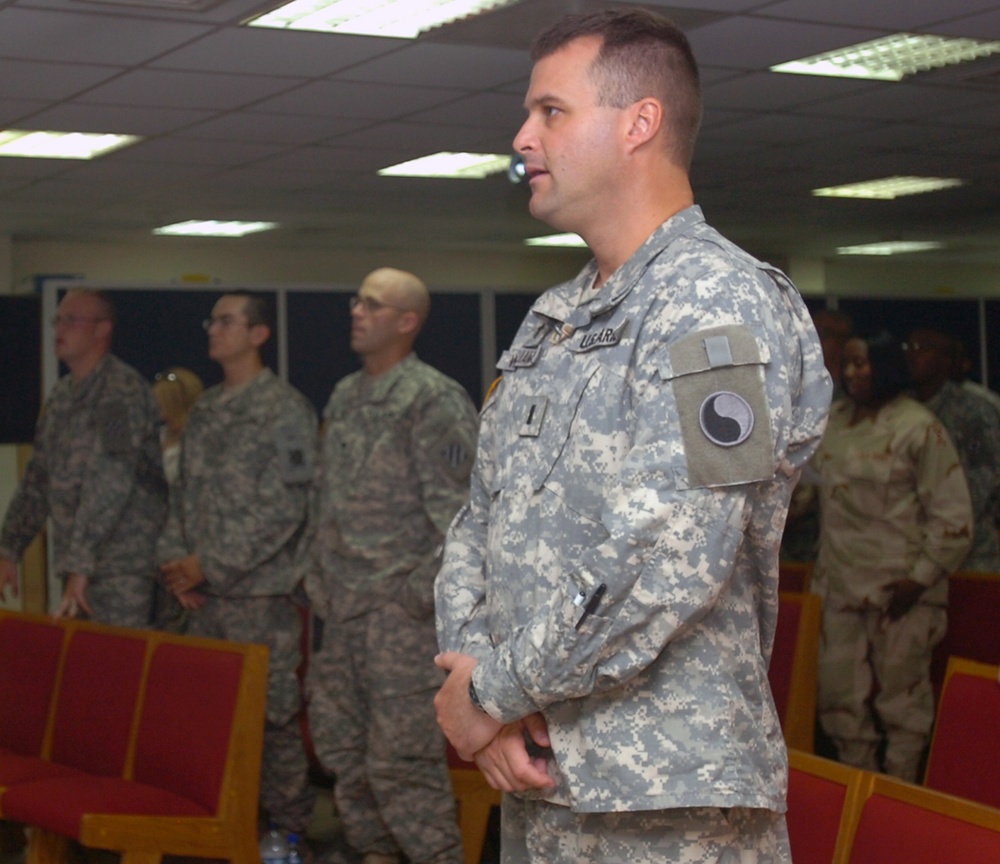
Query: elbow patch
pixel 717 377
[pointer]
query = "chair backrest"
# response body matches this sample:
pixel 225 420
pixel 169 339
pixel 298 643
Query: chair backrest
pixel 98 700
pixel 903 822
pixel 794 667
pixel 973 613
pixel 965 748
pixel 188 708
pixel 823 797
pixel 794 576
pixel 30 649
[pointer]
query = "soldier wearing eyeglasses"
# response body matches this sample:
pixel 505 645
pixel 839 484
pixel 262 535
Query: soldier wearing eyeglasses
pixel 237 515
pixel 95 472
pixel 397 451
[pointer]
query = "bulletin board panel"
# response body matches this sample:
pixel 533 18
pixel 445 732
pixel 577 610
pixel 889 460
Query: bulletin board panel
pixel 20 386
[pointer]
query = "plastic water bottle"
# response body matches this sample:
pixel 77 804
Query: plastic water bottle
pixel 294 852
pixel 273 847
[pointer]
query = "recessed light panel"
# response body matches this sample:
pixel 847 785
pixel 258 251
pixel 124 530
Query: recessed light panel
pixel 891 58
pixel 213 228
pixel 401 19
pixel 29 144
pixel 462 166
pixel 571 241
pixel 894 247
pixel 888 187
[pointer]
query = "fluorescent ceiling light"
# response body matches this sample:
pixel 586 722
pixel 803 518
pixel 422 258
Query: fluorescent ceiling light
pixel 402 19
pixel 463 166
pixel 891 58
pixel 60 145
pixel 894 247
pixel 888 187
pixel 559 240
pixel 213 228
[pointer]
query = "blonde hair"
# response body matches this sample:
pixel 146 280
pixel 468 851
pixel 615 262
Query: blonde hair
pixel 176 390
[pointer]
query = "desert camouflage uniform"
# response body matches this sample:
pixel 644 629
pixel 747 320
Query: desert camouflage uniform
pixel 645 437
pixel 974 427
pixel 894 505
pixel 397 452
pixel 96 471
pixel 240 503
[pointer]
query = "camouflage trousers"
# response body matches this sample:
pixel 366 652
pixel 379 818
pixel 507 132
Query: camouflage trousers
pixel 286 796
pixel 371 714
pixel 874 680
pixel 122 601
pixel 537 832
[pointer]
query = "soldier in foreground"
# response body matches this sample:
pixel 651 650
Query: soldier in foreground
pixel 607 602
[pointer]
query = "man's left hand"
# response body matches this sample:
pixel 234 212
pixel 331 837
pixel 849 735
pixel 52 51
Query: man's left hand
pixel 182 574
pixel 467 727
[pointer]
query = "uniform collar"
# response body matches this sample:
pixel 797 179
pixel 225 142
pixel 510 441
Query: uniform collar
pixel 560 303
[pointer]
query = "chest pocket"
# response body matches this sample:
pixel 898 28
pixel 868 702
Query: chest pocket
pixel 717 380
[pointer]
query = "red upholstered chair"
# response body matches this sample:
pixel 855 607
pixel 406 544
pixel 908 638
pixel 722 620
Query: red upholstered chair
pixel 823 798
pixel 794 667
pixel 476 798
pixel 30 649
pixel 794 576
pixel 191 774
pixel 965 748
pixel 973 613
pixel 907 823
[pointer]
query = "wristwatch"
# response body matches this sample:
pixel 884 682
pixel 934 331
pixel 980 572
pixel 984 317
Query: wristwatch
pixel 474 697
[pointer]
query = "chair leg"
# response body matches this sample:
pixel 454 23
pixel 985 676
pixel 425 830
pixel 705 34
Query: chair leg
pixel 44 847
pixel 143 856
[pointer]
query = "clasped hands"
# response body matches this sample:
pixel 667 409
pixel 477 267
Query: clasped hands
pixel 182 576
pixel 498 749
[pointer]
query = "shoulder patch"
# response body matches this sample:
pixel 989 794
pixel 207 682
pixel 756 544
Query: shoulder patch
pixel 718 381
pixel 295 453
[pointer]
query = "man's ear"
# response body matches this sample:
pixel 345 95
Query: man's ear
pixel 259 334
pixel 103 329
pixel 645 121
pixel 409 322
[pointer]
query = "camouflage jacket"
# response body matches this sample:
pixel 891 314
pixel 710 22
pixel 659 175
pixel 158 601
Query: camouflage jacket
pixel 396 456
pixel 974 427
pixel 893 504
pixel 96 471
pixel 616 568
pixel 241 498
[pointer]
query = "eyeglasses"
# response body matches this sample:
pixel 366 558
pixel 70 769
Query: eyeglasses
pixel 224 321
pixel 73 320
pixel 370 304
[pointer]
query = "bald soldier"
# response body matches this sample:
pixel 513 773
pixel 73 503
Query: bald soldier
pixel 96 472
pixel 397 451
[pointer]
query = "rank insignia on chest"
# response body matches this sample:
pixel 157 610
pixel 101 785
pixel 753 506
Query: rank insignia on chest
pixel 532 412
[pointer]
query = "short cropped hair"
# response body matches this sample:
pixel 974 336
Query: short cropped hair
pixel 105 305
pixel 642 54
pixel 257 307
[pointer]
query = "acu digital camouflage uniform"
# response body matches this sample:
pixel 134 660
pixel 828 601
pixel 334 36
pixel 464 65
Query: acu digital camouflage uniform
pixel 397 453
pixel 894 505
pixel 974 427
pixel 240 503
pixel 644 441
pixel 96 471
